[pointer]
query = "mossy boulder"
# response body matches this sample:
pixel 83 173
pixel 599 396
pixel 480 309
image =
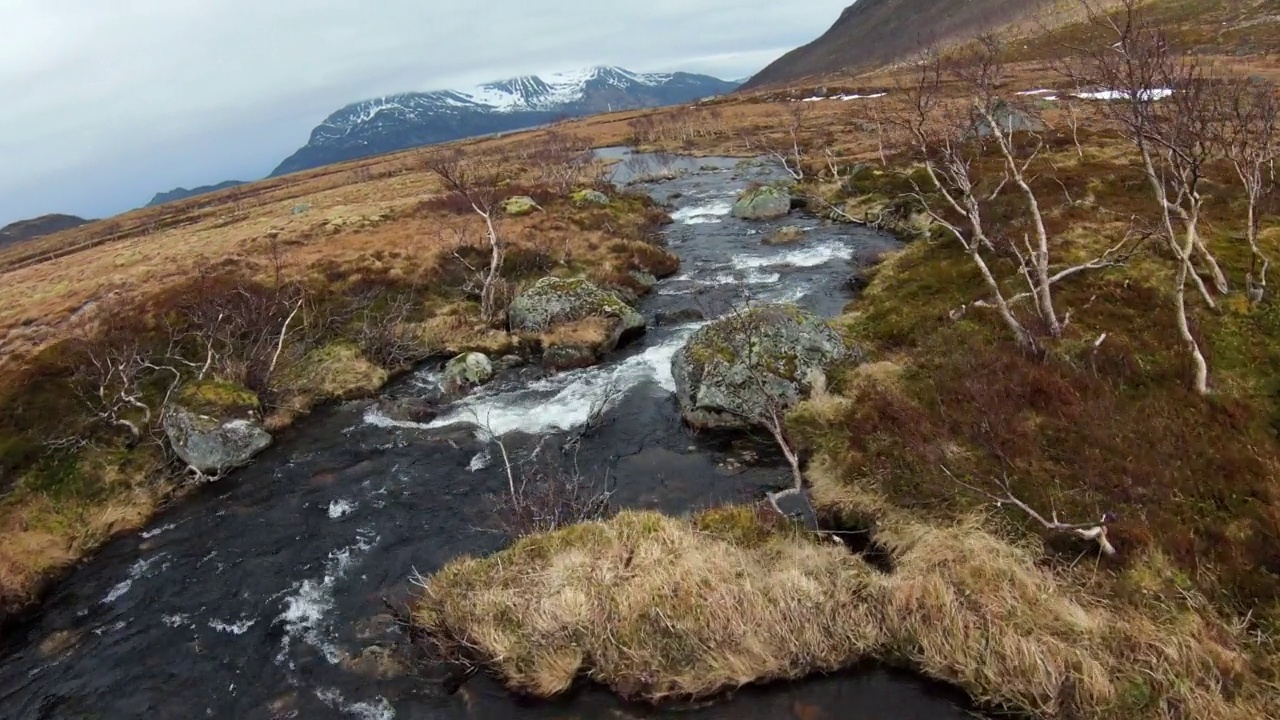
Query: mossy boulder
pixel 788 235
pixel 213 426
pixel 519 205
pixel 767 202
pixel 555 301
pixel 467 371
pixel 733 372
pixel 589 197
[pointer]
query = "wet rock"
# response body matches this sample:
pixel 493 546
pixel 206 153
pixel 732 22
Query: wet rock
pixel 214 427
pixel 414 410
pixel 559 358
pixel 785 236
pixel 467 371
pixel 508 362
pixel 766 202
pixel 734 371
pixel 519 205
pixel 376 661
pixel 681 316
pixel 554 301
pixel 589 197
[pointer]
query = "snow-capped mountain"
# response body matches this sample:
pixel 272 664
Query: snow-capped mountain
pixel 408 120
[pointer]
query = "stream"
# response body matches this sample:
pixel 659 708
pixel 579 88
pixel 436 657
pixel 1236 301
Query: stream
pixel 262 595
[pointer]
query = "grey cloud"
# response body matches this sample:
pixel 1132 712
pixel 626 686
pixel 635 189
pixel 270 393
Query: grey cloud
pixel 106 103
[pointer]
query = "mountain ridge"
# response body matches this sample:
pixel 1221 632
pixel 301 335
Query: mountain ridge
pixel 405 120
pixel 181 193
pixel 896 27
pixel 32 228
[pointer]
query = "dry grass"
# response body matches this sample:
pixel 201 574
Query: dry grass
pixel 659 608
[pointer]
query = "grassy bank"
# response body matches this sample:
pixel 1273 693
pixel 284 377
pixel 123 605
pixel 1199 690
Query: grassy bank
pixel 292 306
pixel 953 446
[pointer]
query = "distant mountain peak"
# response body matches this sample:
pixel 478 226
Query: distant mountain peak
pixel 396 122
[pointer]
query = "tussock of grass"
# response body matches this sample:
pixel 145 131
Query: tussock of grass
pixel 656 607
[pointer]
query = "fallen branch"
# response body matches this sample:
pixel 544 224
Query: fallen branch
pixel 1095 531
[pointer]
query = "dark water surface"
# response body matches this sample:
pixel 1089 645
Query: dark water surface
pixel 262 595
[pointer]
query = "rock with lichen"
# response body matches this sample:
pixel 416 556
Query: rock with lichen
pixel 734 372
pixel 214 426
pixel 467 371
pixel 766 202
pixel 555 301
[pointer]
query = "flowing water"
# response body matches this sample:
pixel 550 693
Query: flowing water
pixel 262 595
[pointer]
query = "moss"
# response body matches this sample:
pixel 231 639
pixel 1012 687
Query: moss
pixel 217 398
pixel 336 372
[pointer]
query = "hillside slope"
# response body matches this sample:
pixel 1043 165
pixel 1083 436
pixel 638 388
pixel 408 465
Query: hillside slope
pixel 36 227
pixel 876 32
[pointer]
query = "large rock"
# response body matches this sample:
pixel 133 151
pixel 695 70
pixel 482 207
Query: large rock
pixel 589 197
pixel 766 202
pixel 734 371
pixel 466 371
pixel 213 427
pixel 554 301
pixel 519 205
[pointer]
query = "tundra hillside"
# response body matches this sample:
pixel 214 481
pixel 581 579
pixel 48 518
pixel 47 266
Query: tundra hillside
pixel 1059 442
pixel 263 301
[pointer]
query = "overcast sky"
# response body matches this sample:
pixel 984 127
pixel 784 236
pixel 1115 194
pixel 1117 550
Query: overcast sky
pixel 106 102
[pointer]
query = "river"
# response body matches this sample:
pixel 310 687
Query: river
pixel 263 595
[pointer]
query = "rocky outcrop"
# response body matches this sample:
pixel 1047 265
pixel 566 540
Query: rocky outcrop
pixel 766 202
pixel 554 301
pixel 467 371
pixel 559 358
pixel 733 372
pixel 679 316
pixel 213 427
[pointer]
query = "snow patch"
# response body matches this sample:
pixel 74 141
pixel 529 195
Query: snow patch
pixel 1143 96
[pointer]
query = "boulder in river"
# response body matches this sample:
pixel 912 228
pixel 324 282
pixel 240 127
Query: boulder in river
pixel 467 371
pixel 679 316
pixel 555 301
pixel 589 197
pixel 519 205
pixel 733 372
pixel 785 236
pixel 213 426
pixel 767 202
pixel 558 358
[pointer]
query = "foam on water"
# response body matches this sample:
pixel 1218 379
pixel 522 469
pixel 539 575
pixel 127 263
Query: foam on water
pixel 137 570
pixel 305 610
pixel 813 256
pixel 709 212
pixel 566 401
pixel 377 709
pixel 341 508
pixel 238 627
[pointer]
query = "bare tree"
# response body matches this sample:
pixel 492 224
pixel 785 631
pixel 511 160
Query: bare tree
pixel 788 150
pixel 476 183
pixel 1252 145
pixel 1166 109
pixel 1134 64
pixel 941 140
